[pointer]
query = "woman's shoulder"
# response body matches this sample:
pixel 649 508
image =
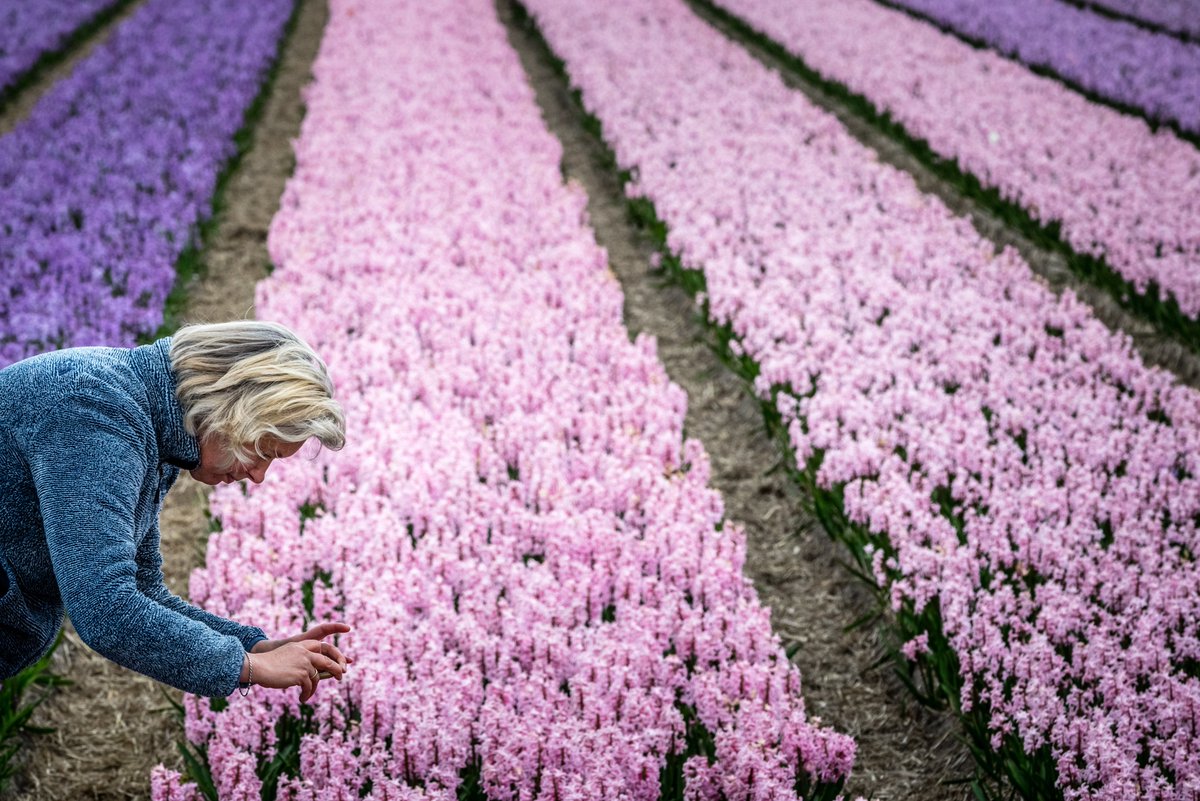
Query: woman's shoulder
pixel 69 383
pixel 66 371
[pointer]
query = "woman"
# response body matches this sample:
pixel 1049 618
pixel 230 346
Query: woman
pixel 91 440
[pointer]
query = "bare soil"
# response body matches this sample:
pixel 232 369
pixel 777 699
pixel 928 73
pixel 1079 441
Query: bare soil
pixel 114 725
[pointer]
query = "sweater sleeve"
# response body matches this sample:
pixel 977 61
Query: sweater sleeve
pixel 150 581
pixel 87 465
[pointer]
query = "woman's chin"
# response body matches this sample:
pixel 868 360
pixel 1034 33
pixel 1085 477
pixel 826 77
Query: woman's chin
pixel 210 480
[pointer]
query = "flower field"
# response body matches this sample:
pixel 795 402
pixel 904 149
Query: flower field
pixel 1121 62
pixel 103 185
pixel 1024 487
pixel 549 599
pixel 1119 191
pixel 546 603
pixel 1178 16
pixel 32 30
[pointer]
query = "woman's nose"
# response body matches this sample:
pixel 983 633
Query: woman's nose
pixel 257 472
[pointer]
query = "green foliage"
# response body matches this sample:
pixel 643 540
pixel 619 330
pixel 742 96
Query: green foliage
pixel 196 769
pixel 306 593
pixel 17 707
pixel 469 788
pixel 310 511
pixel 286 761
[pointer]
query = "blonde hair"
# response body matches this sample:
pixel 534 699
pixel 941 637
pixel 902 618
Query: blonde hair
pixel 247 380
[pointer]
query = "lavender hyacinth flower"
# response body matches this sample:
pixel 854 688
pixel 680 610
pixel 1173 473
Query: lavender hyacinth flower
pixel 31 28
pixel 1178 16
pixel 1118 61
pixel 102 185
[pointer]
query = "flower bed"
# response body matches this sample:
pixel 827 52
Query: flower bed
pixel 545 600
pixel 35 28
pixel 103 184
pixel 1117 191
pixel 1178 16
pixel 1121 62
pixel 1024 489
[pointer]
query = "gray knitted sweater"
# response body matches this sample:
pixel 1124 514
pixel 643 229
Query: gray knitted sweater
pixel 91 439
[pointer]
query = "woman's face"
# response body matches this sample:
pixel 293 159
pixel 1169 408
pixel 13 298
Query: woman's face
pixel 217 466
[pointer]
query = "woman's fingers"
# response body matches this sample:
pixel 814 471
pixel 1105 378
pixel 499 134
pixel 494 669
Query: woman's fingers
pixel 308 686
pixel 326 668
pixel 301 664
pixel 328 650
pixel 323 630
pixel 334 653
pixel 325 660
pixel 322 667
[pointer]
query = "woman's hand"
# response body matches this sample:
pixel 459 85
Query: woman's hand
pixel 299 661
pixel 317 632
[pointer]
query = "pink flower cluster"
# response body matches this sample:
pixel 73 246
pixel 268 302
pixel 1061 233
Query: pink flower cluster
pixel 538 577
pixel 915 366
pixel 1119 191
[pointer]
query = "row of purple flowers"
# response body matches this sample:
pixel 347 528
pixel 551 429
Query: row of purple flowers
pixel 102 186
pixel 545 602
pixel 1016 478
pixel 1118 191
pixel 1177 16
pixel 1119 61
pixel 32 29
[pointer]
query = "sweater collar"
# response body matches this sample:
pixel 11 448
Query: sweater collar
pixel 175 445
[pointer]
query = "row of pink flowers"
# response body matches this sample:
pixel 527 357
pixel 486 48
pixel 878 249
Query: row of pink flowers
pixel 1120 191
pixel 914 364
pixel 538 576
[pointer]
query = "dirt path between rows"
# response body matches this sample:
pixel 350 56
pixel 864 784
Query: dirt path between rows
pixel 904 753
pixel 113 725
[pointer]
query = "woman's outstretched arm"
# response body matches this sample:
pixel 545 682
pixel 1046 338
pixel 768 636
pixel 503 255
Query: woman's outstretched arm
pixel 88 470
pixel 150 582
